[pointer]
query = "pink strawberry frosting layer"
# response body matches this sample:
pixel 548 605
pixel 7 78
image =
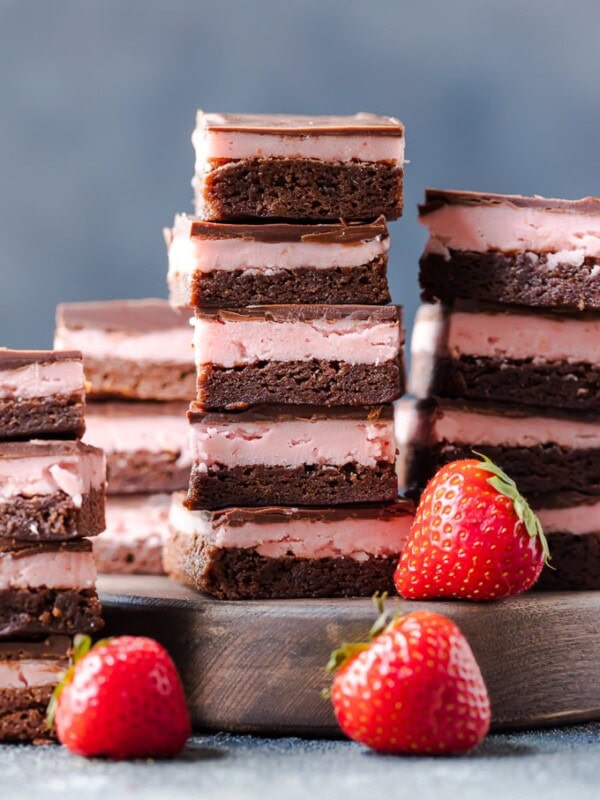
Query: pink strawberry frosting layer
pixel 173 345
pixel 29 672
pixel 352 538
pixel 579 519
pixel 468 427
pixel 39 475
pixel 187 255
pixel 60 569
pixel 127 434
pixel 293 443
pixel 511 229
pixel 42 380
pixel 135 518
pixel 228 343
pixel 516 336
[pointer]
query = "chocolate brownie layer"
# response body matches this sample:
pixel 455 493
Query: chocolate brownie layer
pixel 314 382
pixel 310 485
pixel 123 378
pixel 145 472
pixel 243 574
pixel 52 517
pixel 366 284
pixel 53 417
pixel 136 558
pixel 301 189
pixel 516 278
pixel 29 612
pixel 575 562
pixel 23 715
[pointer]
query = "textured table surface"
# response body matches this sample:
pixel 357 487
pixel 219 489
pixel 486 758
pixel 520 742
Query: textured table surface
pixel 548 764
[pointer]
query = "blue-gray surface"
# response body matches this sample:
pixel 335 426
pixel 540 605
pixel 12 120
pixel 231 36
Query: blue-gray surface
pixel 97 103
pixel 546 765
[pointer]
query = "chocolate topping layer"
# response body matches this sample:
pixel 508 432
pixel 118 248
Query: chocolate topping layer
pixel 303 125
pixel 128 316
pixel 303 313
pixel 436 198
pixel 13 359
pixel 55 647
pixel 37 447
pixel 22 549
pixel 272 233
pixel 280 413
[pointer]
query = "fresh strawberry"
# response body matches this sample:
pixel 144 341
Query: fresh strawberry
pixel 474 536
pixel 121 699
pixel 415 688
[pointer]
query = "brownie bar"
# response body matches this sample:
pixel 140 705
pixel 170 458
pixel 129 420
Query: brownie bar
pixel 112 377
pixel 53 517
pixel 575 563
pixel 57 417
pixel 23 714
pixel 40 610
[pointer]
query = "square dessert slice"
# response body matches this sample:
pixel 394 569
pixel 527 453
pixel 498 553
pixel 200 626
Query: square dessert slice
pixel 300 354
pixel 292 455
pixel 276 552
pixel 220 264
pixel 542 453
pixel 136 529
pixel 132 349
pixel 252 166
pixel 48 588
pixel 531 251
pixel 51 490
pixel 571 522
pixel 507 354
pixel 42 394
pixel 29 673
pixel 146 445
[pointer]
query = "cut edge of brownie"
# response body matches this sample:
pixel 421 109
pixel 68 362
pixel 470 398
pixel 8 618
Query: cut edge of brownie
pixel 575 563
pixel 53 517
pixel 23 713
pixel 54 416
pixel 37 611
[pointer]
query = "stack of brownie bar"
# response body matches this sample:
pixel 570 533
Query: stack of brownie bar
pixel 293 489
pixel 511 355
pixel 51 497
pixel 140 377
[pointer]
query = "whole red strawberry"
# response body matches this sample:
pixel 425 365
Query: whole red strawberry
pixel 121 699
pixel 416 688
pixel 474 536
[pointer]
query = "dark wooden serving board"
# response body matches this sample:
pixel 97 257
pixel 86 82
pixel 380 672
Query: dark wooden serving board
pixel 257 667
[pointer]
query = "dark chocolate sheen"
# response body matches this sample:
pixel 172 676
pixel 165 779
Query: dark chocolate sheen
pixel 304 125
pixel 303 313
pixel 14 359
pixel 39 448
pixel 281 413
pixel 437 198
pixel 127 316
pixel 339 233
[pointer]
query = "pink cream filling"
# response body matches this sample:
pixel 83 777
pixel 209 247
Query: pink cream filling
pixel 162 433
pixel 42 380
pixel 509 229
pixel 579 520
pixel 61 569
pixel 229 343
pixel 352 538
pixel 137 518
pixel 30 672
pixel 172 345
pixel 293 443
pixel 40 475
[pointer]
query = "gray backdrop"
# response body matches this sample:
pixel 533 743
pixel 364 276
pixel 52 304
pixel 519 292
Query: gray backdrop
pixel 97 103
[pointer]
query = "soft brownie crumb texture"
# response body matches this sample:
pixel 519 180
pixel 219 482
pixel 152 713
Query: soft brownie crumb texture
pixel 27 612
pixel 55 417
pixel 23 715
pixel 366 284
pixel 308 485
pixel 556 385
pixel 145 472
pixel 575 562
pixel 302 189
pixel 243 574
pixel 314 382
pixel 52 517
pixel 132 380
pixel 500 278
pixel 139 558
pixel 536 470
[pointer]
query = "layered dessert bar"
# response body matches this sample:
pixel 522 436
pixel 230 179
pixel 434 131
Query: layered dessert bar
pixel 136 529
pixel 146 445
pixel 51 490
pixel 292 455
pixel 301 354
pixel 42 394
pixel 499 248
pixel 543 453
pixel 571 522
pixel 507 354
pixel 276 552
pixel 220 264
pixel 132 349
pixel 48 588
pixel 253 166
pixel 29 673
